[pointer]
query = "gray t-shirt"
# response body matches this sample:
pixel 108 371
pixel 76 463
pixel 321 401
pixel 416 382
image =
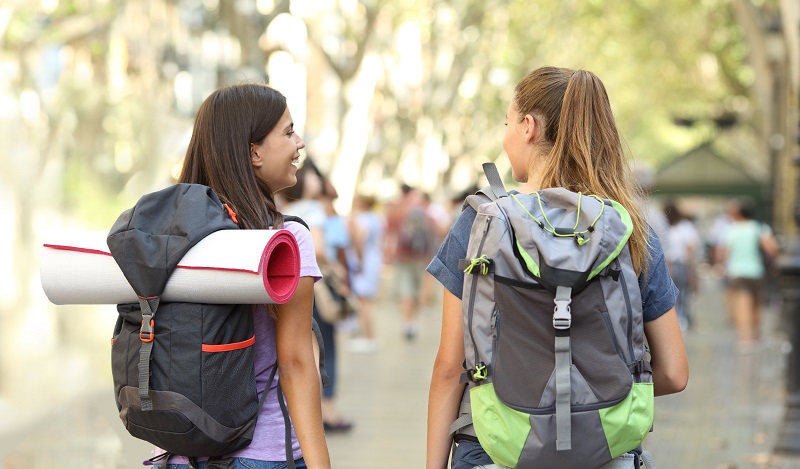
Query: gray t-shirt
pixel 658 291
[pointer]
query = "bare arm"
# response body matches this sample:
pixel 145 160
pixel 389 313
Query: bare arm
pixel 770 245
pixel 299 374
pixel 445 392
pixel 667 354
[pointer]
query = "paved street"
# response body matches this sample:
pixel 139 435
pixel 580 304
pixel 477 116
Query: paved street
pixel 730 414
pixel 727 418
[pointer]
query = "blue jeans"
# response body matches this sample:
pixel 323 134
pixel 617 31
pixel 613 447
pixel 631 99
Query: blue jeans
pixel 469 454
pixel 245 463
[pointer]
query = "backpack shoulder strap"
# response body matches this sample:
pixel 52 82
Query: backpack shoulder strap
pixel 477 199
pixel 495 181
pixel 295 219
pixel 490 193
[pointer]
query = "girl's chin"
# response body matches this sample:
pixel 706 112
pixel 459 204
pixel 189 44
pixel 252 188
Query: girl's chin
pixel 289 183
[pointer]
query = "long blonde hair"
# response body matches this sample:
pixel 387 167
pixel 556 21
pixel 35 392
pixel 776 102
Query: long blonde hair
pixel 585 151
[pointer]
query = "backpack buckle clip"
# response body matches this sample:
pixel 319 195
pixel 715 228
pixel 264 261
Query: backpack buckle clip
pixel 146 332
pixel 562 315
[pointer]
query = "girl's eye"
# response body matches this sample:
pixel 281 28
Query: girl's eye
pixel 291 132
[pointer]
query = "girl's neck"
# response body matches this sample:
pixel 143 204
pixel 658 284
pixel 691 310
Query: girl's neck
pixel 534 180
pixel 533 184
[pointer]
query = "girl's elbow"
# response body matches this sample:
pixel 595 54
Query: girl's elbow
pixel 678 385
pixel 447 368
pixel 290 364
pixel 671 384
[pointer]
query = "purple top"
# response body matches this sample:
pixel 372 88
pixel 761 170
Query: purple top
pixel 269 439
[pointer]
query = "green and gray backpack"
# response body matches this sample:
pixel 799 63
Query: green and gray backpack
pixel 556 362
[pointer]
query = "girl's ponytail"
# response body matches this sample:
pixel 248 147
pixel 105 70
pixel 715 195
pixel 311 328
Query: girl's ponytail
pixel 586 154
pixel 587 141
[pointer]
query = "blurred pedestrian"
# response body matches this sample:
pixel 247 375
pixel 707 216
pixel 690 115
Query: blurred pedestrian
pixel 338 244
pixel 441 221
pixel 560 132
pixel 744 246
pixel 681 245
pixel 715 238
pixel 306 200
pixel 366 263
pixel 244 147
pixel 715 241
pixel 410 243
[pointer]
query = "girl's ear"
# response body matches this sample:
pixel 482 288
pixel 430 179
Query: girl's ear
pixel 532 128
pixel 255 158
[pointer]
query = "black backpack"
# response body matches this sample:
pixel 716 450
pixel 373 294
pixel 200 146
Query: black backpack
pixel 168 389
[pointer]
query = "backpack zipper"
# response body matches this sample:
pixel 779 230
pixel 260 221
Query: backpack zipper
pixel 518 283
pixel 630 311
pixel 610 326
pixel 574 408
pixel 473 289
pixel 495 322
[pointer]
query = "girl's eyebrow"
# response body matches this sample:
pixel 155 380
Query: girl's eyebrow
pixel 289 127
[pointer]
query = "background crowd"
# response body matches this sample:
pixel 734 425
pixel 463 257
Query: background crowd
pixel 352 252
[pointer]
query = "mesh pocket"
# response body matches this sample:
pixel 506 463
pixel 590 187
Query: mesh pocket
pixel 524 356
pixel 229 391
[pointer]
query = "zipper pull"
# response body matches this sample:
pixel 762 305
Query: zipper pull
pixel 486 226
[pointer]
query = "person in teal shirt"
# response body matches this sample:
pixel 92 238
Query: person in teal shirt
pixel 745 245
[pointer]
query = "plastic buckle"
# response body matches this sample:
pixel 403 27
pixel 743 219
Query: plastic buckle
pixel 562 315
pixel 146 333
pixel 639 367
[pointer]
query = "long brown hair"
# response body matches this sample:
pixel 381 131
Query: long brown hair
pixel 584 149
pixel 218 156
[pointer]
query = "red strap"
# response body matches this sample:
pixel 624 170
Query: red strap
pixel 229 347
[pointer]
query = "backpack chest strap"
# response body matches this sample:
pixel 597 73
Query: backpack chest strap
pixel 562 320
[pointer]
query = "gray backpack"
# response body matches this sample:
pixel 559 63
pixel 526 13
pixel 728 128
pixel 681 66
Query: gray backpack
pixel 556 362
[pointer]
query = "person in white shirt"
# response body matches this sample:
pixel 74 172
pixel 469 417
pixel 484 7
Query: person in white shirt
pixel 681 243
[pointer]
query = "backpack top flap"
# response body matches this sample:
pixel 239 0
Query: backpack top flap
pixel 148 240
pixel 564 238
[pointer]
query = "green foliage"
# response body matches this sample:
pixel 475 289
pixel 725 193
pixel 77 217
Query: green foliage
pixel 659 61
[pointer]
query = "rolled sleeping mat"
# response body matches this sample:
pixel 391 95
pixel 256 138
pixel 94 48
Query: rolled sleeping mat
pixel 226 267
